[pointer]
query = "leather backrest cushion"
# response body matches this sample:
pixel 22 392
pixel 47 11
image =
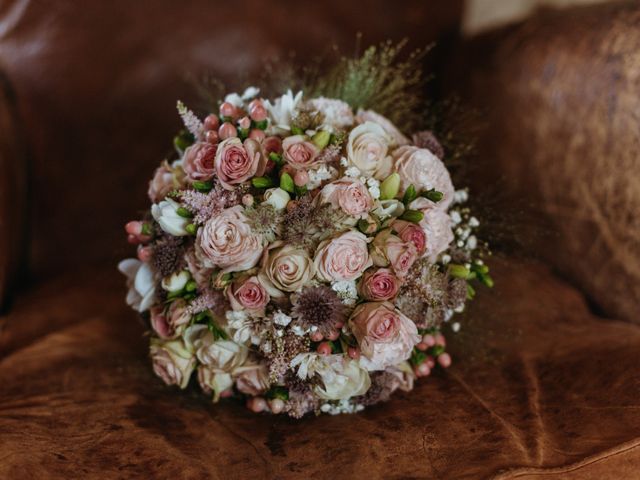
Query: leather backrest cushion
pixel 97 84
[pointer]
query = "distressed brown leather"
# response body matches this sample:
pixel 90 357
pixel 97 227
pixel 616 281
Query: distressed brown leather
pixel 560 96
pixel 538 382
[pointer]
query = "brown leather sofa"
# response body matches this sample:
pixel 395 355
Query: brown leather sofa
pixel 546 375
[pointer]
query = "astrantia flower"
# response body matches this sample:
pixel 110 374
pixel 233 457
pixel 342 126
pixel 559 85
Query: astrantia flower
pixel 318 307
pixel 264 220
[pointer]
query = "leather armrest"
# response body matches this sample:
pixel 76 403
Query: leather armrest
pixel 13 208
pixel 560 95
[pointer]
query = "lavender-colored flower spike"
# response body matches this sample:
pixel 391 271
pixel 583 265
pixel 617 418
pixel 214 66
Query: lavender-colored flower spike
pixel 191 122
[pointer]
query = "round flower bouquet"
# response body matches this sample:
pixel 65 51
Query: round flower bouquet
pixel 302 253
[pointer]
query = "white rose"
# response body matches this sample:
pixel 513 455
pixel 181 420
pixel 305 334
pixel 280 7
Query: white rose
pixel 176 282
pixel 422 169
pixel 166 214
pixel 142 290
pixel 286 269
pixel 368 150
pixel 342 378
pixel 437 226
pixel 172 361
pixel 214 381
pixel 220 354
pixel 384 122
pixel 277 198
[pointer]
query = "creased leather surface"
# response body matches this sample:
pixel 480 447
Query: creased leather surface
pixel 560 96
pixel 537 381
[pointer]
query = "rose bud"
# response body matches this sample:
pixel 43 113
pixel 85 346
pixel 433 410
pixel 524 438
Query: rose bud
pixel 228 110
pixel 211 122
pixel 227 130
pixel 244 123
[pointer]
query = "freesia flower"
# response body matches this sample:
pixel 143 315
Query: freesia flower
pixel 282 111
pixel 142 290
pixel 166 214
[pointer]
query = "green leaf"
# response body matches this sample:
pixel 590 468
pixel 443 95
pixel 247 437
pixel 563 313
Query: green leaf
pixel 436 350
pixel 414 216
pixel 297 130
pixel 471 292
pixel 278 392
pixel 147 229
pixel 203 186
pixel 275 158
pixel 218 332
pixel 262 124
pixel 191 229
pixel 459 271
pixel 191 286
pixel 182 141
pixel 286 183
pixel 300 191
pixel 409 195
pixel 262 182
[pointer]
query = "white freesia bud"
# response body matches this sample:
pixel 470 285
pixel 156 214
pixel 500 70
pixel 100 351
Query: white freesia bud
pixel 141 294
pixel 389 208
pixel 166 214
pixel 176 281
pixel 277 198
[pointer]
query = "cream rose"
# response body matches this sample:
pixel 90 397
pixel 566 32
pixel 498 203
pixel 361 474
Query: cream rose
pixel 350 195
pixel 214 381
pixel 286 269
pixel 368 150
pixel 298 152
pixel 385 335
pixel 165 179
pixel 172 362
pixel 342 378
pixel 252 379
pixel 224 355
pixel 342 258
pixel 422 169
pixel 236 163
pixel 385 123
pixel 437 226
pixel 227 242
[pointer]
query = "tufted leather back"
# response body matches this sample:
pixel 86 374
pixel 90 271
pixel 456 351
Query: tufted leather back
pixel 96 85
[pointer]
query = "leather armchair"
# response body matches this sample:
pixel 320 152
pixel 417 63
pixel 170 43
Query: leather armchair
pixel 541 384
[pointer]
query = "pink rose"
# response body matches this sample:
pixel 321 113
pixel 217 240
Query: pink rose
pixel 378 285
pixel 227 242
pixel 437 226
pixel 422 169
pixel 385 123
pixel 385 335
pixel 235 163
pixel 198 161
pixel 298 152
pixel 351 195
pixel 252 379
pixel 411 233
pixel 248 294
pixel 389 249
pixel 170 323
pixel 342 258
pixel 164 180
pixel 272 145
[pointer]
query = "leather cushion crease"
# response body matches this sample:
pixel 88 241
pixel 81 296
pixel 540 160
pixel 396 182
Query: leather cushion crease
pixel 539 385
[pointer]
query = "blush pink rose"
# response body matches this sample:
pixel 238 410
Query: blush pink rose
pixel 198 161
pixel 228 243
pixel 170 323
pixel 411 233
pixel 272 145
pixel 386 336
pixel 351 195
pixel 298 152
pixel 378 285
pixel 422 169
pixel 437 226
pixel 236 163
pixel 342 258
pixel 172 362
pixel 389 249
pixel 248 294
pixel 164 180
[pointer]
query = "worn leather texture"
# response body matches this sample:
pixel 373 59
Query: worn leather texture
pixel 539 387
pixel 560 96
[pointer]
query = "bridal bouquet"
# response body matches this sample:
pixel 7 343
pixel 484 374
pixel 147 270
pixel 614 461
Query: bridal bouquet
pixel 302 253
